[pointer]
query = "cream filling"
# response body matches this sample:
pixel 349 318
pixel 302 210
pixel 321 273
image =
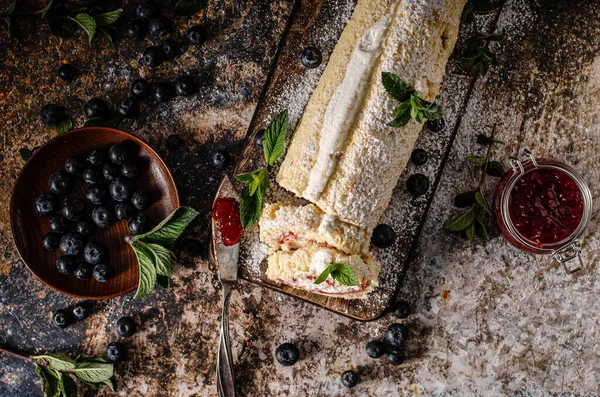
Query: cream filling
pixel 319 262
pixel 345 104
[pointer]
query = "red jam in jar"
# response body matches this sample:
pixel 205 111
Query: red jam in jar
pixel 545 206
pixel 226 213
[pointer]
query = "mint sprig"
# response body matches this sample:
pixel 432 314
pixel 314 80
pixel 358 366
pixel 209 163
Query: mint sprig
pixel 340 272
pixel 153 252
pixel 256 181
pixel 412 106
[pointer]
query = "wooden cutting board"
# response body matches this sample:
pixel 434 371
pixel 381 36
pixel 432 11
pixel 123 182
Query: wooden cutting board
pixel 320 23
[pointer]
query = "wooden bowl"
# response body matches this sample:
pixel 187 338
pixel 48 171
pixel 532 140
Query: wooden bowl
pixel 28 228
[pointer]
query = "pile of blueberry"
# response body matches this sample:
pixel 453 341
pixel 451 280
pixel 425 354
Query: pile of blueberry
pixel 395 338
pixel 112 196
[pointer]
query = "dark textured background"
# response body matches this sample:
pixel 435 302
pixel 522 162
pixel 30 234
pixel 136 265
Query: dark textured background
pixel 488 320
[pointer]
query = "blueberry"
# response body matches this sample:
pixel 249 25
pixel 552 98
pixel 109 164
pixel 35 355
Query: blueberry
pixel 96 158
pixel 58 224
pixel 52 114
pixel 162 92
pixel 103 216
pixel 383 236
pixel 219 159
pixel 419 156
pixel 83 271
pixel 124 211
pixel 110 171
pixel 401 309
pixel 138 224
pixel 81 311
pixel 170 48
pixel 147 10
pixel 140 88
pixel 71 244
pixel 60 182
pixel 85 228
pixel 396 356
pixel 67 72
pixel 92 175
pixel 95 253
pixel 44 205
pixel 95 107
pixel 66 264
pixel 417 184
pixel 121 189
pixel 51 241
pixel 396 335
pixel 185 86
pixel 35 149
pixel 126 327
pixel 140 200
pixel 102 272
pixel 160 26
pixel 375 349
pixel 74 166
pixel 350 379
pixel 116 351
pixel 287 354
pixel 73 208
pixel 61 318
pixel 153 56
pixel 258 138
pixel 311 57
pixel 97 194
pixel 196 35
pixel 130 170
pixel 118 154
pixel 174 141
pixel 128 107
pixel 136 29
pixel 436 125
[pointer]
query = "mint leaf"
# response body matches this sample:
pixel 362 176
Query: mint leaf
pixel 108 18
pixel 480 229
pixel 106 34
pixel 85 358
pixel 324 274
pixel 466 12
pixel 163 259
pixel 465 199
pixel 25 153
pixel 166 232
pixel 87 23
pixel 10 9
pixel 402 116
pixel 476 160
pixel 483 139
pixel 274 137
pixel 189 7
pixel 50 385
pixel 111 121
pixel 470 231
pixel 395 87
pixel 45 10
pixel 64 126
pixel 344 274
pixel 67 385
pixel 58 361
pixel 482 201
pixel 147 271
pixel 254 179
pixel 251 204
pixel 495 168
pixel 461 221
pixel 94 372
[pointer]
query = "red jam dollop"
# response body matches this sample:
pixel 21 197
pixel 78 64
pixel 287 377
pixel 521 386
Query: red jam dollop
pixel 226 213
pixel 545 206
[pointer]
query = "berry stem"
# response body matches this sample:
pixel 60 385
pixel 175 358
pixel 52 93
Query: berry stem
pixel 14 354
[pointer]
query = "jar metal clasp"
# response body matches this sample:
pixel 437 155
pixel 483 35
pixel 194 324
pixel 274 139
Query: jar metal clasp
pixel 568 255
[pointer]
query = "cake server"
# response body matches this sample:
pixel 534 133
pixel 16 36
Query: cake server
pixel 226 261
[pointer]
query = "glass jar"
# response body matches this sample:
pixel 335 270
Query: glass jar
pixel 542 207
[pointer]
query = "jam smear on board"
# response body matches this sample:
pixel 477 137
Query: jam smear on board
pixel 226 213
pixel 545 206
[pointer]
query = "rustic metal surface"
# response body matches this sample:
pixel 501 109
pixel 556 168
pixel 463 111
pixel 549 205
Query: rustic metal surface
pixel 487 320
